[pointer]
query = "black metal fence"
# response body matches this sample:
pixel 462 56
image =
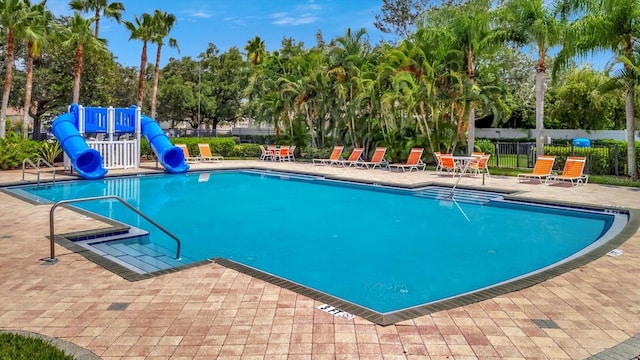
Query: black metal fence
pixel 601 160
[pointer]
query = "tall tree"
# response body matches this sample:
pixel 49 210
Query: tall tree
pixel 77 34
pixel 469 27
pixel 224 78
pixel 400 17
pixel 163 23
pixel 530 22
pixel 255 50
pixel 347 58
pixel 608 25
pixel 142 29
pixel 13 16
pixel 35 32
pixel 99 7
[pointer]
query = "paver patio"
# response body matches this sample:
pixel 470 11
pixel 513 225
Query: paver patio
pixel 211 312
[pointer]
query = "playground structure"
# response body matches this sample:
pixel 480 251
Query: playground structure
pixel 96 139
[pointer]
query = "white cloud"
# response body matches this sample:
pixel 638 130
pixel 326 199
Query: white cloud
pixel 235 21
pixel 302 14
pixel 199 14
pixel 288 20
pixel 309 7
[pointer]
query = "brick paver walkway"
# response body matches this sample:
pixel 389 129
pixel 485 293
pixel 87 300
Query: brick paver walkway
pixel 213 312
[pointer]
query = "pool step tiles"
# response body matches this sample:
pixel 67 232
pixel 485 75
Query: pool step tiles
pixel 134 251
pixel 460 195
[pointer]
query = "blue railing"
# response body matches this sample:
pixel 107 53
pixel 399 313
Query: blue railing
pixel 125 120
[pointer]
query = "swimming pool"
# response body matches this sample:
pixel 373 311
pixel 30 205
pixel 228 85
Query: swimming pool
pixel 380 249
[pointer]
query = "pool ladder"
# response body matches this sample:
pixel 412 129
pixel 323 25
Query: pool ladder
pixel 37 167
pixel 52 258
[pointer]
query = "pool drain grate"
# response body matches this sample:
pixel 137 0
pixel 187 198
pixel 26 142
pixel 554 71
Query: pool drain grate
pixel 546 324
pixel 118 306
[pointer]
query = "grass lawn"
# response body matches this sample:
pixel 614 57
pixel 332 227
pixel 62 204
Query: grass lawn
pixel 20 347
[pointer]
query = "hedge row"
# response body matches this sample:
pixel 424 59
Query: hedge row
pixel 226 147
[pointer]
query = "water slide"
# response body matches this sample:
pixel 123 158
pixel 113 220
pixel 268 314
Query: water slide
pixel 86 161
pixel 171 157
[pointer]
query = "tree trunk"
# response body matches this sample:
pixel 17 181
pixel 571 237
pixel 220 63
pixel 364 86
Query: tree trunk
pixel 77 73
pixel 143 65
pixel 156 77
pixel 36 125
pixel 97 16
pixel 471 128
pixel 7 84
pixel 540 75
pixel 631 133
pixel 27 93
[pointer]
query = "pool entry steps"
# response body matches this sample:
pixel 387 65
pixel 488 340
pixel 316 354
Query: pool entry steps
pixel 479 197
pixel 131 249
pixel 127 253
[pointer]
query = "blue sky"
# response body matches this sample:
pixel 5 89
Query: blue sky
pixel 228 23
pixel 234 22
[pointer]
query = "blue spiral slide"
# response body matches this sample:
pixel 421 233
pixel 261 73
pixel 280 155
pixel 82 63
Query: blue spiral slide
pixel 88 162
pixel 171 157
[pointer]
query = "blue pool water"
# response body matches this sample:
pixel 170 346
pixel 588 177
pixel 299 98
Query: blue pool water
pixel 382 248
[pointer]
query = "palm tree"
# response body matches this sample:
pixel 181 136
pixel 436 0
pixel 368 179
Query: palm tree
pixel 77 34
pixel 13 16
pixel 142 29
pixel 255 50
pixel 607 25
pixel 531 22
pixel 347 58
pixel 163 23
pixel 113 10
pixel 431 80
pixel 35 34
pixel 469 28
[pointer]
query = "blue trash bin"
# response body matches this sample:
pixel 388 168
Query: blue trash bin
pixel 581 142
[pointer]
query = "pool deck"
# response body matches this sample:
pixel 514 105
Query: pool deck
pixel 210 311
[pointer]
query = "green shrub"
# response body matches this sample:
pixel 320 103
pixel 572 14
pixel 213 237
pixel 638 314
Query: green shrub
pixel 50 151
pixel 145 149
pixel 246 151
pixel 14 149
pixel 220 146
pixel 315 153
pixel 598 161
pixel 485 146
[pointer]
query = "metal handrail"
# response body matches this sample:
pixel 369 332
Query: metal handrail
pixel 62 202
pixel 37 167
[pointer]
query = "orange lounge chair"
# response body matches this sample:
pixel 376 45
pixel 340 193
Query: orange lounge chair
pixel 292 155
pixel 413 162
pixel 436 157
pixel 264 154
pixel 481 165
pixel 446 162
pixel 334 158
pixel 377 159
pixel 573 171
pixel 206 155
pixel 354 158
pixel 541 171
pixel 187 156
pixel 283 153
